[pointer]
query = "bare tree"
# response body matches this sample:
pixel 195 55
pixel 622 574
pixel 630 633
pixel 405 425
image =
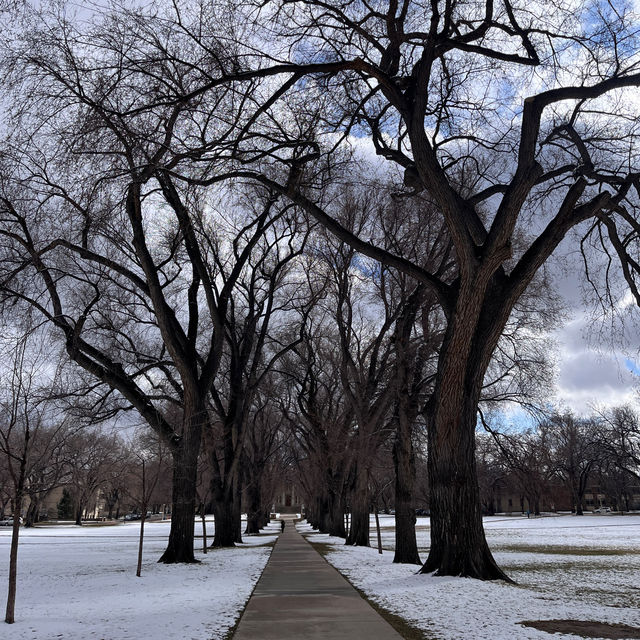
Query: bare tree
pixel 365 353
pixel 320 422
pixel 505 115
pixel 115 487
pixel 270 299
pixel 265 437
pixel 527 455
pixel 424 80
pixel 28 434
pixel 148 455
pixel 621 438
pixel 100 241
pixel 576 450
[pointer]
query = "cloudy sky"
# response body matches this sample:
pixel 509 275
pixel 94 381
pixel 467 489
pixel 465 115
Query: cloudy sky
pixel 596 361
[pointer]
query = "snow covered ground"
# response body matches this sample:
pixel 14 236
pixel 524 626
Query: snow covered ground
pixel 79 583
pixel 566 567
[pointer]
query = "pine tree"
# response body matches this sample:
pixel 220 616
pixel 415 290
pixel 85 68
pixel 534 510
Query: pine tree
pixel 65 506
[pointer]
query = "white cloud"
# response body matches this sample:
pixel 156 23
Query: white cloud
pixel 590 372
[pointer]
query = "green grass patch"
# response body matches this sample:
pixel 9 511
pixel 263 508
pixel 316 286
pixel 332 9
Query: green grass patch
pixel 546 568
pixel 85 523
pixel 211 549
pixel 565 550
pixel 404 628
pixel 259 546
pixel 610 596
pixel 322 548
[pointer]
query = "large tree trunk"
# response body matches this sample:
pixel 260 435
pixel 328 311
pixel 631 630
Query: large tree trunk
pixel 359 530
pixel 226 511
pixel 237 509
pixel 221 490
pixel 409 366
pixel 224 535
pixel 406 544
pixel 254 505
pixel 78 514
pixel 32 512
pixel 183 509
pixel 226 485
pixel 336 514
pixel 183 497
pixel 323 517
pixel 458 543
pixel 578 501
pixel 319 513
pixel 333 501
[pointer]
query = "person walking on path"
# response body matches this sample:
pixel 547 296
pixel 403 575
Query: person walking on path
pixel 282 525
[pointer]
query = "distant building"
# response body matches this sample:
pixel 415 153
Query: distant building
pixel 505 495
pixel 287 500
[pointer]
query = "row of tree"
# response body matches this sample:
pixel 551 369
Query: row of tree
pixel 565 454
pixel 190 203
pixel 45 448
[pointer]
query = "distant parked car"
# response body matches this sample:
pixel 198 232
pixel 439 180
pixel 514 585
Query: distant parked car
pixel 602 510
pixel 422 512
pixel 133 516
pixel 8 522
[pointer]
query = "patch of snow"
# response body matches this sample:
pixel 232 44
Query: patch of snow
pixel 79 583
pixel 566 567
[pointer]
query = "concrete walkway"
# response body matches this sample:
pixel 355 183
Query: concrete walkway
pixel 301 597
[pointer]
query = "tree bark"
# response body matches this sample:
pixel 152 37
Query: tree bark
pixel 141 541
pixel 458 543
pixel 183 498
pixel 336 515
pixel 254 506
pixel 319 514
pixel 237 508
pixel 225 533
pixel 183 505
pixel 359 530
pixel 32 512
pixel 13 559
pixel 475 323
pixel 406 543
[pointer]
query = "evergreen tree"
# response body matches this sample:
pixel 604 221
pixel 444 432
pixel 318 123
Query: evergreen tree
pixel 65 506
